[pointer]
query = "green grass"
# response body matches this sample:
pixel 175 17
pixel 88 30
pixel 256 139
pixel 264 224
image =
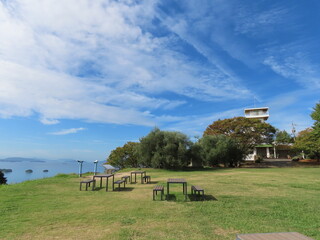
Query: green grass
pixel 247 201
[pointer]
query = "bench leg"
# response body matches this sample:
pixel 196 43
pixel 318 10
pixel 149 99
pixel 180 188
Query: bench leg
pixel 153 195
pixel 80 186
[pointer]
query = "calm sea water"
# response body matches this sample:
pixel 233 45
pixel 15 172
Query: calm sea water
pixel 19 174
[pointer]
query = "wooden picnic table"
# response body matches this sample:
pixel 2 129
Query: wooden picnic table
pixel 177 180
pixel 135 175
pixel 107 176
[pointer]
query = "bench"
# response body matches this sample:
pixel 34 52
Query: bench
pixel 147 179
pixel 197 190
pixel 125 178
pixel 88 183
pixel 157 189
pixel 120 182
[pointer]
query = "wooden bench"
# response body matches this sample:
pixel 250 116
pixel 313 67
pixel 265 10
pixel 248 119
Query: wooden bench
pixel 197 190
pixel 147 179
pixel 157 189
pixel 125 178
pixel 120 182
pixel 88 183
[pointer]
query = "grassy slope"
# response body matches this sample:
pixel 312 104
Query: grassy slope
pixel 248 201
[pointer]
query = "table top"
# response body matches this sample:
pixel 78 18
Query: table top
pixel 138 172
pixel 176 180
pixel 104 175
pixel 273 236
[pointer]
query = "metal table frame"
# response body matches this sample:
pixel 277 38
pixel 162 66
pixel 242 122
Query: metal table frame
pixel 178 180
pixel 135 175
pixel 107 176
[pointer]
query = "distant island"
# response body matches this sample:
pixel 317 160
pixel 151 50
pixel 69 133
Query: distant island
pixel 20 159
pixel 23 159
pixel 5 170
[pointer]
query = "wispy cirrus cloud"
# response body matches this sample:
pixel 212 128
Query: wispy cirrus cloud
pixel 67 131
pixel 97 61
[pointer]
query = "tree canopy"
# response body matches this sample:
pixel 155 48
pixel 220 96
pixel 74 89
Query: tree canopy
pixel 220 149
pixel 125 156
pixel 164 149
pixel 283 137
pixel 247 132
pixel 308 140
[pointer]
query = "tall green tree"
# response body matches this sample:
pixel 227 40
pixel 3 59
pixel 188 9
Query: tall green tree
pixel 309 139
pixel 247 132
pixel 3 180
pixel 283 137
pixel 125 156
pixel 221 149
pixel 164 149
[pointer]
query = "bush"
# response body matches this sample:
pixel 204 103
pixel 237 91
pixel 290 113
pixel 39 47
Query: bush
pixel 164 149
pixel 296 158
pixel 3 180
pixel 125 156
pixel 220 149
pixel 258 159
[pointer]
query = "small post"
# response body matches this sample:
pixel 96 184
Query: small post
pixel 95 167
pixel 80 167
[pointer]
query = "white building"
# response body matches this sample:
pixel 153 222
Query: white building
pixel 261 113
pixel 263 150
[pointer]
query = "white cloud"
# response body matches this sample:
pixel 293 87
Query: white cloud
pixel 95 61
pixel 67 131
pixel 294 65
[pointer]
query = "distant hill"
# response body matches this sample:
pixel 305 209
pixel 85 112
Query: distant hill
pixel 21 159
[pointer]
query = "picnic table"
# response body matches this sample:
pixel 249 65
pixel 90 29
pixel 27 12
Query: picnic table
pixel 177 180
pixel 135 175
pixel 107 176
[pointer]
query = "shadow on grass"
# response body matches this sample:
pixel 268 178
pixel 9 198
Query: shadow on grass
pixel 127 189
pixel 196 197
pixel 151 182
pixel 170 197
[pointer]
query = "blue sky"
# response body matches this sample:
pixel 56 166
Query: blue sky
pixel 79 78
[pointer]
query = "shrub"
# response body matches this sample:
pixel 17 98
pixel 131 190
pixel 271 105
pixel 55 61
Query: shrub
pixel 220 149
pixel 296 158
pixel 164 149
pixel 258 159
pixel 3 180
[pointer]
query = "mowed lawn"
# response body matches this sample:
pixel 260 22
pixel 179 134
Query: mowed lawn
pixel 238 201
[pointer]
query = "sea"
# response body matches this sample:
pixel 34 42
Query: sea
pixel 43 168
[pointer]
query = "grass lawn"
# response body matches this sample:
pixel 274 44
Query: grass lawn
pixel 247 201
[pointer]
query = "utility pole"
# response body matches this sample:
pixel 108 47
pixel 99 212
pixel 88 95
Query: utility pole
pixel 294 131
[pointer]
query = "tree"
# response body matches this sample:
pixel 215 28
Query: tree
pixel 309 142
pixel 220 149
pixel 247 132
pixel 283 137
pixel 3 180
pixel 164 149
pixel 125 156
pixel 309 139
pixel 315 115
